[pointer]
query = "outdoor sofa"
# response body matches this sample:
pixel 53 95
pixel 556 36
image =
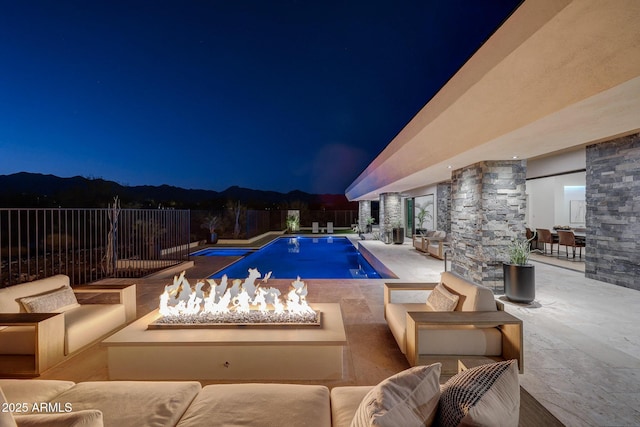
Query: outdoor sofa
pixel 432 242
pixel 42 322
pixel 412 397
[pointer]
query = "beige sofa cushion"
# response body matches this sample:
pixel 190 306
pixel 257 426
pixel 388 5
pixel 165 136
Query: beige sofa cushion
pixel 466 340
pixel 86 418
pixel 472 297
pixel 33 391
pixel 133 403
pixel 10 296
pixel 345 402
pixel 396 315
pixel 260 405
pixel 6 417
pixel 89 322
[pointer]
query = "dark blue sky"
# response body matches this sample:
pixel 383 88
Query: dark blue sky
pixel 271 95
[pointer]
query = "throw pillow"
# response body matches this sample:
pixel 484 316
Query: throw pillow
pixel 484 395
pixel 6 418
pixel 440 299
pixel 84 418
pixel 407 399
pixel 56 301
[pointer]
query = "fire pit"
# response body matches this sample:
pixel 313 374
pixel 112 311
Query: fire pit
pixel 243 304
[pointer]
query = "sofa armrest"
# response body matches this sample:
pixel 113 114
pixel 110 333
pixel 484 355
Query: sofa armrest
pixel 393 287
pixel 509 325
pixel 126 293
pixel 49 343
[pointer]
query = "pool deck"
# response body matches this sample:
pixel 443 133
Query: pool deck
pixel 582 340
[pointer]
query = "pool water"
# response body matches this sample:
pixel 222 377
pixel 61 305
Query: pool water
pixel 306 257
pixel 223 252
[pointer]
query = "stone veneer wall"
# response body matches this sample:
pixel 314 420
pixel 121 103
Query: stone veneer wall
pixel 364 212
pixel 613 212
pixel 488 204
pixel 390 213
pixel 443 206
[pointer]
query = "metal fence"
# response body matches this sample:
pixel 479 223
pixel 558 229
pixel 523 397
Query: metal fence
pixel 90 244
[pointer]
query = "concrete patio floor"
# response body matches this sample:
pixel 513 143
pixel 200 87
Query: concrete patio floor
pixel 582 340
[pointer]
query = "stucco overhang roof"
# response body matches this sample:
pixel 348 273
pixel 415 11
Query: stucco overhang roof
pixel 557 74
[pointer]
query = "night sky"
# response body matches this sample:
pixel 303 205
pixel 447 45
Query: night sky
pixel 270 95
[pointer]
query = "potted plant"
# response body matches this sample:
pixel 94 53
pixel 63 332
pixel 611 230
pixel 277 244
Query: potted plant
pixel 423 214
pixel 210 223
pixel 370 222
pixel 397 233
pixel 519 275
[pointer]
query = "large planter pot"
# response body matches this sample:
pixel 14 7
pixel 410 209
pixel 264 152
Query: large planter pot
pixel 214 238
pixel 398 235
pixel 519 282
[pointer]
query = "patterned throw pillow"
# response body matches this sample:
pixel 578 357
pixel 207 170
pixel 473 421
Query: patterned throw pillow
pixel 440 299
pixel 407 399
pixel 56 301
pixel 484 395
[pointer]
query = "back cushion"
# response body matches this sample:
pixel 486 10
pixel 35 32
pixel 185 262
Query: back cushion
pixel 9 297
pixel 472 297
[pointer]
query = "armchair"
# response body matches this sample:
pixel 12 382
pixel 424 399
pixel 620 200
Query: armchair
pixel 478 327
pixel 57 326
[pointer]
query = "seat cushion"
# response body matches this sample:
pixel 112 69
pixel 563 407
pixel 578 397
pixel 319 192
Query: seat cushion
pixel 396 315
pixel 86 418
pixel 133 403
pixel 6 417
pixel 462 340
pixel 89 322
pixel 260 405
pixel 345 402
pixel 446 340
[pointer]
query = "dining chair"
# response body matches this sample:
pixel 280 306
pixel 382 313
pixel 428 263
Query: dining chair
pixel 566 239
pixel 532 237
pixel 544 237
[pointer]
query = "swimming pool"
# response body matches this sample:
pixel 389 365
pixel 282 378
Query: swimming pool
pixel 307 257
pixel 223 252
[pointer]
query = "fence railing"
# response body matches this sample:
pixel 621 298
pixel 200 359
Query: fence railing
pixel 90 244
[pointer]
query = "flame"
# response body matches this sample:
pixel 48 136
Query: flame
pixel 242 296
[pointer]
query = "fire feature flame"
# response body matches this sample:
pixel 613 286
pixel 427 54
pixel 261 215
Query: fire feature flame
pixel 242 302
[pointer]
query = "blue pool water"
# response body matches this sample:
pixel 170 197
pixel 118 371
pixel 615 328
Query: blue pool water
pixel 307 257
pixel 223 252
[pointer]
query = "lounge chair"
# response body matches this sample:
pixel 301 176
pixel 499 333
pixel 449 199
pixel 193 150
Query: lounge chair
pixel 329 227
pixel 314 228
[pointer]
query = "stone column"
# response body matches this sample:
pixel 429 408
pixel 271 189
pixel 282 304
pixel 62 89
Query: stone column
pixel 364 213
pixel 443 203
pixel 488 205
pixel 390 213
pixel 612 252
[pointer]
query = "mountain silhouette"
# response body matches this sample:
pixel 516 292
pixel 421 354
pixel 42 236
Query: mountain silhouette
pixel 36 190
